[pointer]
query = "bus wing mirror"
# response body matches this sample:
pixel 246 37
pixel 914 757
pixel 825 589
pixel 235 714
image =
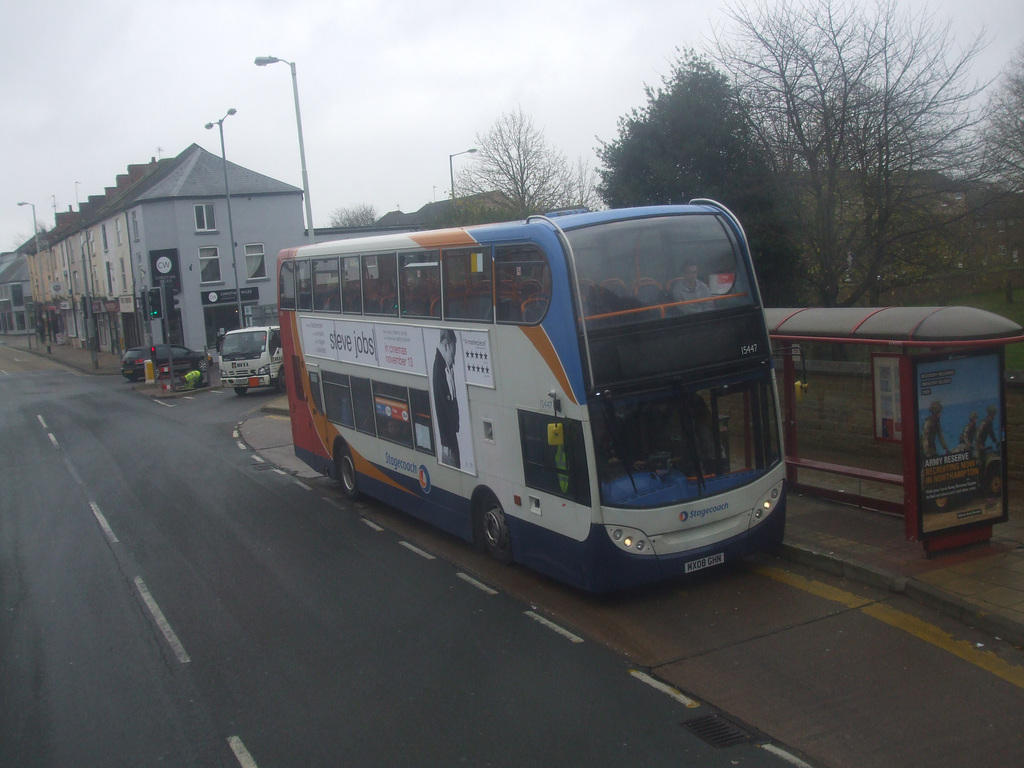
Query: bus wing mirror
pixel 555 434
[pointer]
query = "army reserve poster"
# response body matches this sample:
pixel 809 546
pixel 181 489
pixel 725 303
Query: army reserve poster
pixel 961 441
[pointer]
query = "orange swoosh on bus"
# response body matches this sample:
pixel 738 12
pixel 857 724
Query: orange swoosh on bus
pixel 539 338
pixel 442 237
pixel 368 468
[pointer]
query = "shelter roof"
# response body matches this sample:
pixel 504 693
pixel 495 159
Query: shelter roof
pixel 913 326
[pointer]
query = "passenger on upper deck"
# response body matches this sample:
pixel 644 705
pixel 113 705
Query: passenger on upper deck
pixel 689 288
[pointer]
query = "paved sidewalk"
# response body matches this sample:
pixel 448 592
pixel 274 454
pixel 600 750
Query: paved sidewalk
pixel 81 360
pixel 982 585
pixel 104 364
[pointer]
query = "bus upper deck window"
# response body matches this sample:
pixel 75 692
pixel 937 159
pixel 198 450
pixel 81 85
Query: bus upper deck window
pixel 351 286
pixel 468 287
pixel 286 285
pixel 380 285
pixel 304 285
pixel 420 284
pixel 523 279
pixel 326 285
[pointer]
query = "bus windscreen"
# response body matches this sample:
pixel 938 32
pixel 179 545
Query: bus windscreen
pixel 634 271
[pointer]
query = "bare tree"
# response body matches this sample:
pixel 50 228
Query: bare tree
pixel 362 215
pixel 868 121
pixel 515 160
pixel 1004 135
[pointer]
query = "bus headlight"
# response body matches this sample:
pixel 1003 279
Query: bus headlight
pixel 767 503
pixel 630 540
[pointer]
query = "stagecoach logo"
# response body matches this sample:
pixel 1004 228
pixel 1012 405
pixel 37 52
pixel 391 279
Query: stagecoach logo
pixel 424 479
pixel 699 513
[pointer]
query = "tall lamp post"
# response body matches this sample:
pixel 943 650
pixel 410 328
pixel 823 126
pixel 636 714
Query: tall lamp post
pixel 231 227
pixel 262 61
pixel 35 232
pixel 451 169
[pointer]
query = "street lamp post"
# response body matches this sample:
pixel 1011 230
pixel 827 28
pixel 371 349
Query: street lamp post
pixel 262 61
pixel 451 168
pixel 231 227
pixel 35 232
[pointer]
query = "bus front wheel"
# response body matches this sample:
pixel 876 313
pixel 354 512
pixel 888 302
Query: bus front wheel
pixel 492 529
pixel 345 469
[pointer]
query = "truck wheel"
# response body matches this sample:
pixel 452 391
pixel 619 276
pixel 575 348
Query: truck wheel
pixel 241 391
pixel 281 382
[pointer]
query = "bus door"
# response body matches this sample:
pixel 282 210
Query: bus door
pixel 555 464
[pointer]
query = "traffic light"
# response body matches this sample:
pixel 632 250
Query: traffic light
pixel 155 304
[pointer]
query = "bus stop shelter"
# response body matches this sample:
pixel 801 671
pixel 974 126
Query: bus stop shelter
pixel 927 364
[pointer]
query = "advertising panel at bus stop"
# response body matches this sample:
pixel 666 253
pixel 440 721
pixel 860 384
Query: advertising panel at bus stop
pixel 961 441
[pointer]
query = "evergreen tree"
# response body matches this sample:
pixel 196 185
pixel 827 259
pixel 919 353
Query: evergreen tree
pixel 691 140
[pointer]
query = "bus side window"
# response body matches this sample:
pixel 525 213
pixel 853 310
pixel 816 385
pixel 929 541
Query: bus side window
pixel 391 408
pixel 468 288
pixel 286 285
pixel 380 285
pixel 559 468
pixel 300 391
pixel 351 289
pixel 314 388
pixel 422 423
pixel 419 282
pixel 326 285
pixel 304 285
pixel 338 399
pixel 523 277
pixel 362 405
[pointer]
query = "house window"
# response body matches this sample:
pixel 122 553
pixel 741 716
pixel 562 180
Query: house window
pixel 209 264
pixel 117 230
pixel 103 231
pixel 135 226
pixel 205 221
pixel 255 261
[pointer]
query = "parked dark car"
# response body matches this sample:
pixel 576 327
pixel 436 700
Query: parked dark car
pixel 133 363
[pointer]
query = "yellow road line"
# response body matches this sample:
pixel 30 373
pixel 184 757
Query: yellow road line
pixel 912 625
pixel 848 599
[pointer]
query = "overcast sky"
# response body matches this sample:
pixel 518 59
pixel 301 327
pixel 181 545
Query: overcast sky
pixel 388 90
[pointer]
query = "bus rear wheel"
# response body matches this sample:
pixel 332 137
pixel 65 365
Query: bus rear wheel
pixel 345 469
pixel 492 529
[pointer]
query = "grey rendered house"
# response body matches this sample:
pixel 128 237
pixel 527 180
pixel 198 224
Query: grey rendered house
pixel 179 231
pixel 15 294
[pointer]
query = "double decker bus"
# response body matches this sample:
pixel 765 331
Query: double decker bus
pixel 591 395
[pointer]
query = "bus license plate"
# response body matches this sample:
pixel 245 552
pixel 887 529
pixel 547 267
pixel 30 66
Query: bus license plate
pixel 705 562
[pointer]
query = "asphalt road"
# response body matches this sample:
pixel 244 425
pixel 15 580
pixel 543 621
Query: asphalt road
pixel 168 598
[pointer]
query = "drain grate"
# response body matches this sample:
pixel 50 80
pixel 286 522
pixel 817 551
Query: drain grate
pixel 718 731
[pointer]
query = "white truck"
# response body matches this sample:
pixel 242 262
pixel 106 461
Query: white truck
pixel 252 357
